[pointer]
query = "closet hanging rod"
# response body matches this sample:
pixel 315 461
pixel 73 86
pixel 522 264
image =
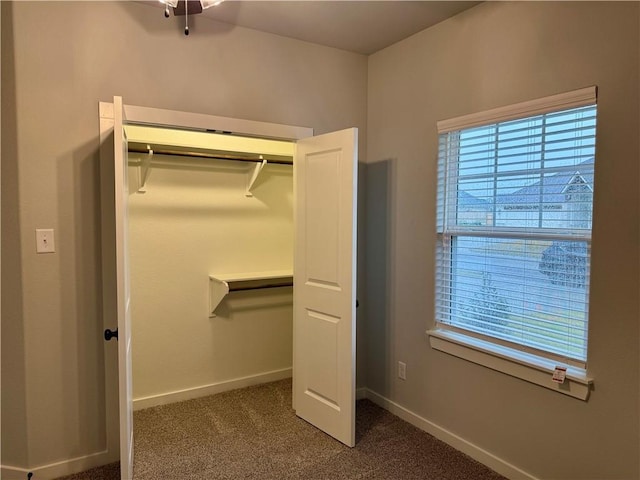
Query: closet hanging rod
pixel 186 153
pixel 234 288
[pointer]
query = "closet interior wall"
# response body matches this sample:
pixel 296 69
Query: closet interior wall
pixel 192 219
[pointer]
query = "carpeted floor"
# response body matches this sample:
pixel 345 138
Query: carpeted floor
pixel 254 434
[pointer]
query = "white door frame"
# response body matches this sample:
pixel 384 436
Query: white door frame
pixel 160 118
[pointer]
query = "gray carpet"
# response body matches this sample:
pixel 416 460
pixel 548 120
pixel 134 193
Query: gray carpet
pixel 254 434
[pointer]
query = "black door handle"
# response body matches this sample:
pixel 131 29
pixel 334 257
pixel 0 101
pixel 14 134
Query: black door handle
pixel 108 334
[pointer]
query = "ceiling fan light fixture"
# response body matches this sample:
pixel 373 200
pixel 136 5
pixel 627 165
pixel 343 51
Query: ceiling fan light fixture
pixel 188 7
pixel 210 3
pixel 170 3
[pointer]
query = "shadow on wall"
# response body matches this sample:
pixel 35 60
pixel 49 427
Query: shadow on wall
pixel 78 193
pixel 361 289
pixel 380 201
pixel 14 425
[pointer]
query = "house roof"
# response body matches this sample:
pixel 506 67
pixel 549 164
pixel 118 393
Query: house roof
pixel 465 199
pixel 554 187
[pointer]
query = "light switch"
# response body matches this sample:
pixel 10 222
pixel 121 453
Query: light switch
pixel 45 242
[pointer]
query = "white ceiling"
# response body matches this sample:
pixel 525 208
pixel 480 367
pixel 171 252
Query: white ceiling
pixel 358 26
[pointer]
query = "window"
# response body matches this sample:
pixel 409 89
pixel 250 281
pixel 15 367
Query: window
pixel 515 197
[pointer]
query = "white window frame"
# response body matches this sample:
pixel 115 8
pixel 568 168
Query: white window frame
pixel 519 363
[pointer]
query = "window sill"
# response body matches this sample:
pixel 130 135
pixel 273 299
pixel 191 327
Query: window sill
pixel 529 367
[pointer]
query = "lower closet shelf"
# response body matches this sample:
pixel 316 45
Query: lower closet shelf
pixel 220 285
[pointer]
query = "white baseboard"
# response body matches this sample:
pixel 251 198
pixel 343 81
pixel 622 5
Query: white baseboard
pixel 13 473
pixel 57 469
pixel 212 389
pixel 477 453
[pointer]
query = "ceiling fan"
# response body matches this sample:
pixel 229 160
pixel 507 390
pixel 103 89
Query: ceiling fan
pixel 188 7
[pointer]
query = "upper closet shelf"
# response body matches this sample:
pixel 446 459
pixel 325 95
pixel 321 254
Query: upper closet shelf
pixel 217 146
pixel 220 285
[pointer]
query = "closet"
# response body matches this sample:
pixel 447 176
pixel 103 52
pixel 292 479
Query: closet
pixel 184 209
pixel 211 262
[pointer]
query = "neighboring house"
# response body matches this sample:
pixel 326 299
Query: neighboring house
pixel 473 210
pixel 548 203
pixel 551 202
pixel 560 200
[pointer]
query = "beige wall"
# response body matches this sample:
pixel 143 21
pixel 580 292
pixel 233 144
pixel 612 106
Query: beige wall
pixel 59 59
pixel 493 55
pixel 193 221
pixel 13 414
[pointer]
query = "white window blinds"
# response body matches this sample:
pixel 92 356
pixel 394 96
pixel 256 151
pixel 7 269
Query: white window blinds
pixel 514 217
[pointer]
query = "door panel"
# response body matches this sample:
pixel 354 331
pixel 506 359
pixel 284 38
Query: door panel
pixel 323 359
pixel 324 277
pixel 123 292
pixel 321 210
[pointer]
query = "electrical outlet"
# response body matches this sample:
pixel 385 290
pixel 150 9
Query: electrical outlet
pixel 402 370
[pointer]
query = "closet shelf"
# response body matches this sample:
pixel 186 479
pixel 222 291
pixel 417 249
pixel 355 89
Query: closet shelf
pixel 143 162
pixel 220 285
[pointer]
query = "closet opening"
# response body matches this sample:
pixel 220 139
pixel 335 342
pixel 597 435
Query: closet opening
pixel 261 222
pixel 210 219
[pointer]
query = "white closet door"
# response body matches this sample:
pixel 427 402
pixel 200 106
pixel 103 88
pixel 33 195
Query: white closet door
pixel 123 292
pixel 325 173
